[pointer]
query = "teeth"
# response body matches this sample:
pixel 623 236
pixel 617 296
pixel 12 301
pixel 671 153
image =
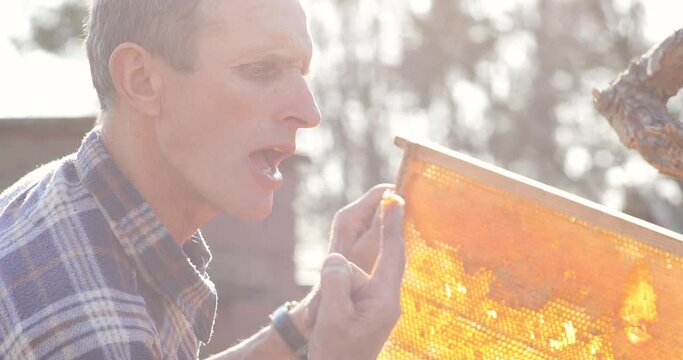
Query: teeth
pixel 271 172
pixel 279 149
pixel 263 162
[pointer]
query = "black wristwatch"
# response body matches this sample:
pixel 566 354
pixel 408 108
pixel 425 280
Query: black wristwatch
pixel 283 324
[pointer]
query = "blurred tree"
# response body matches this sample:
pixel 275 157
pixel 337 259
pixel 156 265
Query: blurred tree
pixel 54 29
pixel 508 82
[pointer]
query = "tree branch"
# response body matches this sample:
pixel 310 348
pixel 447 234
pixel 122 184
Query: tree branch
pixel 635 105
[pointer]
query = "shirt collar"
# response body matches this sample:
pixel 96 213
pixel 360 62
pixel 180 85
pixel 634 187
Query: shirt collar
pixel 179 273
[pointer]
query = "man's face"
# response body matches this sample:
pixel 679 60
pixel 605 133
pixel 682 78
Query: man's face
pixel 225 126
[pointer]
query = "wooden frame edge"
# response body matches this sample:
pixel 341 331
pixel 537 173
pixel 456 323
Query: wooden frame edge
pixel 546 195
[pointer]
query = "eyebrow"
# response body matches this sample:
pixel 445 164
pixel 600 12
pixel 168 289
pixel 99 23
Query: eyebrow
pixel 275 56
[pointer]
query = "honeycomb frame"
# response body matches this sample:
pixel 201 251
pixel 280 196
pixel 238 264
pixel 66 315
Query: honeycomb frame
pixel 504 267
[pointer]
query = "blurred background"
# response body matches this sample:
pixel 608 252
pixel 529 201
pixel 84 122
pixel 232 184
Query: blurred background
pixel 508 82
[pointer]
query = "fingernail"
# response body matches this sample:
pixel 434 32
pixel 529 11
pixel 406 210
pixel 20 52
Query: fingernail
pixel 390 198
pixel 335 262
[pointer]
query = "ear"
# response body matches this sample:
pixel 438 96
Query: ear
pixel 136 78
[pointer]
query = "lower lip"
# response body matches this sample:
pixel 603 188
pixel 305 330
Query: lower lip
pixel 270 181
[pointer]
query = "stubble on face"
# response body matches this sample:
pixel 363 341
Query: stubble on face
pixel 214 117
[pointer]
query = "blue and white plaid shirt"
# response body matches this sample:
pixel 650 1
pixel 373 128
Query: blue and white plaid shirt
pixel 87 271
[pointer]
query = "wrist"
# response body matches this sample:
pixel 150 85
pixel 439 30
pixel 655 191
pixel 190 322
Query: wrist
pixel 288 328
pixel 298 316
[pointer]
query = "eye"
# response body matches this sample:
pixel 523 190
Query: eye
pixel 261 71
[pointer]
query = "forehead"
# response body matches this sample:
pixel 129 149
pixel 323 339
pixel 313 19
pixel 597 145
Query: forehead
pixel 257 25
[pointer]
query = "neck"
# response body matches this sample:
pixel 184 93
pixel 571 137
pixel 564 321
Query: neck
pixel 131 142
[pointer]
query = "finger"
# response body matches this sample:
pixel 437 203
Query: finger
pixel 390 264
pixel 356 217
pixel 358 279
pixel 367 204
pixel 335 287
pixel 365 251
pixel 311 314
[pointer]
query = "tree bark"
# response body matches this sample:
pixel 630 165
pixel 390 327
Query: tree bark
pixel 635 105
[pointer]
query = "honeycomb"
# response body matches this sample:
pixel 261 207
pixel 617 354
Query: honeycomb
pixel 495 274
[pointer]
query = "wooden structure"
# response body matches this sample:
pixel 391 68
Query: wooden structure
pixel 27 143
pixel 635 105
pixel 503 267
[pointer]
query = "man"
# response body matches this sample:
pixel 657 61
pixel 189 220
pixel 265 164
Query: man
pixel 100 257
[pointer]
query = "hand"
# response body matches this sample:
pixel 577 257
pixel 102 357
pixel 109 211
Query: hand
pixel 356 311
pixel 355 229
pixel 356 236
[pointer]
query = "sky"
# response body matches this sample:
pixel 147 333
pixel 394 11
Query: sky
pixel 34 83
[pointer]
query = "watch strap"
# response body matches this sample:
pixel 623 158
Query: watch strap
pixel 285 327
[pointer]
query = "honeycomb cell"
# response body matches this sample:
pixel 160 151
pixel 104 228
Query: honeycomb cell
pixel 498 270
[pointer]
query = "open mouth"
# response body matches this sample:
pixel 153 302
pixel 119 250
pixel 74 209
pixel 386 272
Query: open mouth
pixel 271 156
pixel 268 159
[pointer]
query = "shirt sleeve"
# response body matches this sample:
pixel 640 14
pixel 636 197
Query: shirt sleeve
pixel 97 324
pixel 127 350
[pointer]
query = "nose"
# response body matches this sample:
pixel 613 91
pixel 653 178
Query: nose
pixel 301 110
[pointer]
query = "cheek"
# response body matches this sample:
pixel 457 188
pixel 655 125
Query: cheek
pixel 206 123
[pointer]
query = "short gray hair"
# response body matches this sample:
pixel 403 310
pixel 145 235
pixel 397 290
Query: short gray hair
pixel 163 27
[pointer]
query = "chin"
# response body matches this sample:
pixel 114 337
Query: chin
pixel 254 215
pixel 254 212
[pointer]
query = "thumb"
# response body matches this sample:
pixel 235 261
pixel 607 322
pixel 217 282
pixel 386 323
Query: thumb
pixel 335 287
pixel 358 279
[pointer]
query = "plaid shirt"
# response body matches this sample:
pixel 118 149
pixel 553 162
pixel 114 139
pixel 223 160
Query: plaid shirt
pixel 87 271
